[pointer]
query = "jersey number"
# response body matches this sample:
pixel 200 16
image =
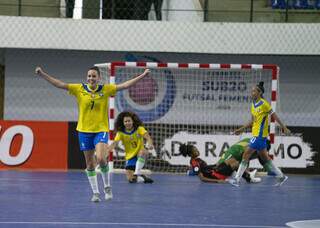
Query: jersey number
pixel 134 144
pixel 92 105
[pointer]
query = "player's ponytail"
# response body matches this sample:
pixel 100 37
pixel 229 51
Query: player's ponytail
pixel 260 87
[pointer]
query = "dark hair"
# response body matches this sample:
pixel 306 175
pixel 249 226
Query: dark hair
pixel 186 150
pixel 96 69
pixel 260 87
pixel 119 126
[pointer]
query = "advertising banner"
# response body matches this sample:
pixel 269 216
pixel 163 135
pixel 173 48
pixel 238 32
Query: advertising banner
pixel 289 152
pixel 33 145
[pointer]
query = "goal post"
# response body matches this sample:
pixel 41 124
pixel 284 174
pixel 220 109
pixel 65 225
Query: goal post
pixel 189 103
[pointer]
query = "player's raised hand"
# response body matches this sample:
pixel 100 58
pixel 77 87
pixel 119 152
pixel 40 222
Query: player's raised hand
pixel 39 70
pixel 146 71
pixel 286 131
pixel 237 131
pixel 149 146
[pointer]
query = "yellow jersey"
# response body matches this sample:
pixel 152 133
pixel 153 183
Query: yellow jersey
pixel 132 141
pixel 260 111
pixel 92 106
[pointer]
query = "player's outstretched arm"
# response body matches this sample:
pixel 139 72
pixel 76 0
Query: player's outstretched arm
pixel 131 82
pixel 53 81
pixel 243 128
pixel 284 128
pixel 111 147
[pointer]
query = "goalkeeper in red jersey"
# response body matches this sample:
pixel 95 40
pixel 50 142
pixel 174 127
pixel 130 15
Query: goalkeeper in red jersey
pixel 227 164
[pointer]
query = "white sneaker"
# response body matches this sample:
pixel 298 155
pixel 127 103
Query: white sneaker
pixel 108 193
pixel 281 180
pixel 233 181
pixel 254 179
pixel 95 198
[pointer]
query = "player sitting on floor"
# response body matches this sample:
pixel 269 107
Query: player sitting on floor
pixel 131 133
pixel 227 164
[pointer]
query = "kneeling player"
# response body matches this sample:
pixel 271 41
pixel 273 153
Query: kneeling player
pixel 131 133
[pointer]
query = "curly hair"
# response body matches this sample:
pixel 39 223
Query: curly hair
pixel 186 150
pixel 119 126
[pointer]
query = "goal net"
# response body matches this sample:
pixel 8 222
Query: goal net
pixel 201 104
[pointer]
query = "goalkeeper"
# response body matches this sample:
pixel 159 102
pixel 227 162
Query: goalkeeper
pixel 131 133
pixel 227 164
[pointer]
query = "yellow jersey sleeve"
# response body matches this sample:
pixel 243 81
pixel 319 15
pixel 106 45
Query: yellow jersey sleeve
pixel 74 89
pixel 141 131
pixel 266 107
pixel 111 89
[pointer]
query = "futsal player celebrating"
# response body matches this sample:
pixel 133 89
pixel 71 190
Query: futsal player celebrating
pixel 92 127
pixel 260 111
pixel 131 133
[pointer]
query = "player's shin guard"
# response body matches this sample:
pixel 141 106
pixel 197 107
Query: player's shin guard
pixel 105 175
pixel 92 177
pixel 242 167
pixel 270 167
pixel 139 165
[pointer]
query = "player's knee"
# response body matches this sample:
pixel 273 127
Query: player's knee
pixel 91 166
pixel 246 155
pixel 262 161
pixel 143 153
pixel 101 161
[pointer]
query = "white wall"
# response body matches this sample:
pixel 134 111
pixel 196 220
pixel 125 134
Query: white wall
pixel 159 36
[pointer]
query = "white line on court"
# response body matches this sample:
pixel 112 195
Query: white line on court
pixel 138 224
pixel 304 224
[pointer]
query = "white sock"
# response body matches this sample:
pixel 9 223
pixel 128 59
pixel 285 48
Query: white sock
pixel 92 177
pixel 139 165
pixel 105 175
pixel 242 167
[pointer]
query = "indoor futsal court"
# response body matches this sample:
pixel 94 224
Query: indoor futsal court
pixel 156 103
pixel 62 199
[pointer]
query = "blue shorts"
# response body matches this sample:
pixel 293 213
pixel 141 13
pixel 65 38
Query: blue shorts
pixel 258 143
pixel 88 141
pixel 131 163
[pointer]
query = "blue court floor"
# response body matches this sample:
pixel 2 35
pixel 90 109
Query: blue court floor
pixel 62 199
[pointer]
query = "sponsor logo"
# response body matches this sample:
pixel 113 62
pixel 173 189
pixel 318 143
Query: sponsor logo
pixel 287 152
pixel 152 97
pixel 33 144
pixel 6 142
